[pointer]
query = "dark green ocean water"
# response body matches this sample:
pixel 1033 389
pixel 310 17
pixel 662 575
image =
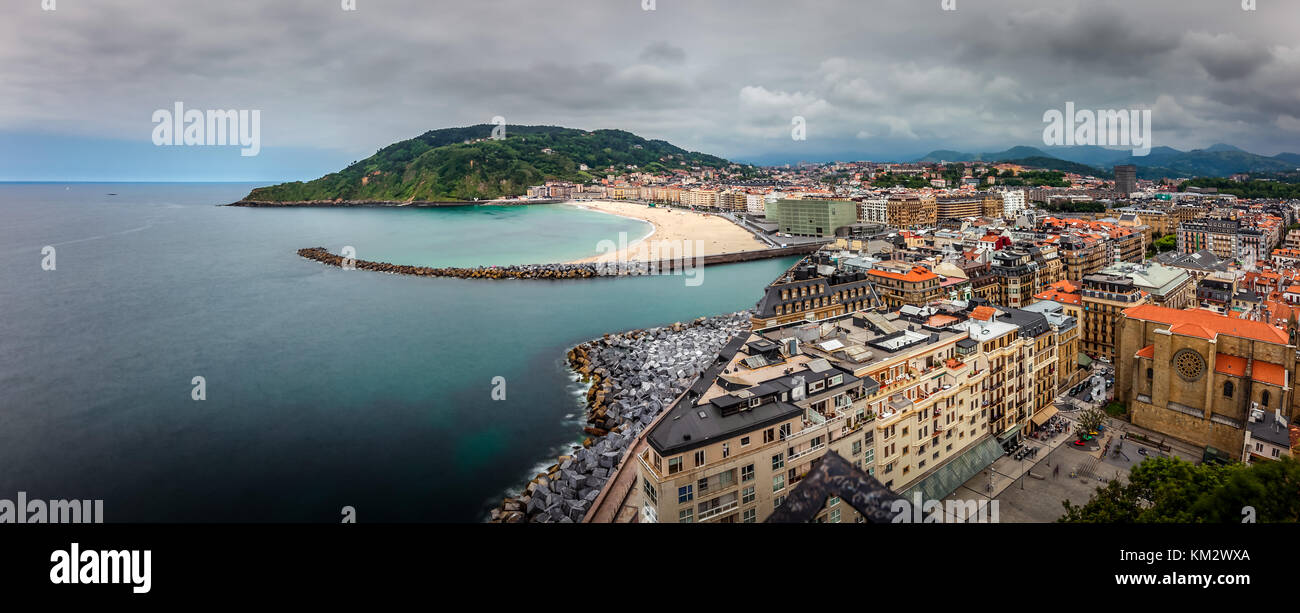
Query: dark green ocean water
pixel 325 388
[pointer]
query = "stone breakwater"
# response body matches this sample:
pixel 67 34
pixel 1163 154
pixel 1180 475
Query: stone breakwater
pixel 560 271
pixel 633 377
pixel 522 271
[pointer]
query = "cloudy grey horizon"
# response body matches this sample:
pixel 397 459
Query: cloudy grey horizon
pixel 874 79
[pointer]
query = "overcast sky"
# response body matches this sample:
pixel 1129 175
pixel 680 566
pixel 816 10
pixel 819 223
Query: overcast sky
pixel 875 79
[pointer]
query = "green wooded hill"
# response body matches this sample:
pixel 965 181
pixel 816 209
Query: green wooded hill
pixel 461 164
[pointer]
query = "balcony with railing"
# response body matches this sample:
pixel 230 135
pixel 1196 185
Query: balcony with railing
pixel 803 453
pixel 719 511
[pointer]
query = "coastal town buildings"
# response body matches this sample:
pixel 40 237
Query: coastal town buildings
pixel 922 399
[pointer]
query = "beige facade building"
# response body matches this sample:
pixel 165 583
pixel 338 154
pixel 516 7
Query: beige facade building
pixel 912 211
pixel 1105 297
pixel 901 404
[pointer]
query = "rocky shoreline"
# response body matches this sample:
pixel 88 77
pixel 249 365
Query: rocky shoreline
pixel 633 377
pixel 520 271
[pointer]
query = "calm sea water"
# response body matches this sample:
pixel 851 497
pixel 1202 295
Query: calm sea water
pixel 325 388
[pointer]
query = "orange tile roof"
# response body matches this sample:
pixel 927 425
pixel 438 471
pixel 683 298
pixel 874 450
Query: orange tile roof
pixel 1191 329
pixel 1059 296
pixel 1206 324
pixel 983 313
pixel 1230 365
pixel 916 274
pixel 1147 352
pixel 1268 372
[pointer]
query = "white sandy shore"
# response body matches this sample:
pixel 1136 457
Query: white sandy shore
pixel 672 230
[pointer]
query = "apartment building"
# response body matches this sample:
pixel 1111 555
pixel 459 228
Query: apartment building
pixel 1066 328
pixel 700 198
pixel 874 210
pixel 1039 365
pixel 900 283
pixel 912 211
pixel 1105 297
pixel 1013 202
pixel 1001 354
pixel 1164 285
pixel 1084 254
pixel 1220 236
pixel 1127 245
pixel 1198 376
pixel 958 207
pixel 814 289
pixel 897 398
pixel 731 200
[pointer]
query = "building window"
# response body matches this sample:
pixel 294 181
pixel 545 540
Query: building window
pixel 778 483
pixel 650 491
pixel 686 515
pixel 747 495
pixel 769 435
pixel 778 461
pixel 750 516
pixel 870 458
pixel 726 450
pixel 1150 373
pixel 1263 399
pixel 777 502
pixel 744 441
pixel 747 473
pixel 699 458
pixel 1227 389
pixel 857 447
pixel 832 501
pixel 685 494
pixel 674 465
pixel 835 516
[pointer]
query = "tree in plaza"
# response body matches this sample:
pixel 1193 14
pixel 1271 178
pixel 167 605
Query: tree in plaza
pixel 1174 490
pixel 1089 420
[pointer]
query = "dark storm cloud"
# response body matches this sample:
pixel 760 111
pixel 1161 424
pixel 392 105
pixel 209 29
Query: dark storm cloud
pixel 871 77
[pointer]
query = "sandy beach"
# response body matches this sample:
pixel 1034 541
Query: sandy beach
pixel 673 228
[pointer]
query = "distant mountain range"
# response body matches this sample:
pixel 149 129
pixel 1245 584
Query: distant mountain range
pixel 1217 160
pixel 464 164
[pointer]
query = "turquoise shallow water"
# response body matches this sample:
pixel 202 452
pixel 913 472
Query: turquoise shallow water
pixel 325 388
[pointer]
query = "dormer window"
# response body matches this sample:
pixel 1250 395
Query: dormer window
pixel 836 380
pixel 753 402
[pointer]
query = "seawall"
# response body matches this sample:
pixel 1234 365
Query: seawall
pixel 557 271
pixel 634 377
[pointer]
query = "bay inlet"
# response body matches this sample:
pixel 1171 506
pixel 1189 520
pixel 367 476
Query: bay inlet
pixel 325 387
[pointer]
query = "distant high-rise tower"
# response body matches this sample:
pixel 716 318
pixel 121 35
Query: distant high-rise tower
pixel 1126 179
